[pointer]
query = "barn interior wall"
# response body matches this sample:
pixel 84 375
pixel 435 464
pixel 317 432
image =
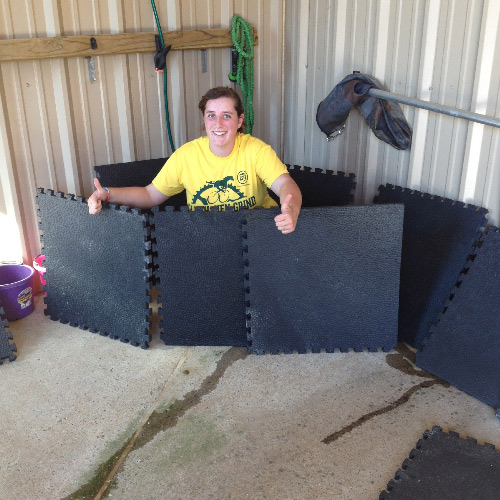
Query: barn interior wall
pixel 56 125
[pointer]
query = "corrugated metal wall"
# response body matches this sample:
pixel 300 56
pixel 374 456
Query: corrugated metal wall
pixel 55 125
pixel 443 51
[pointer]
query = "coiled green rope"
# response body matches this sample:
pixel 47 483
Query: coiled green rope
pixel 165 87
pixel 242 36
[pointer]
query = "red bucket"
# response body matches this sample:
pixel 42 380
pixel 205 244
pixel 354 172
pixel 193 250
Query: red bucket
pixel 38 265
pixel 16 290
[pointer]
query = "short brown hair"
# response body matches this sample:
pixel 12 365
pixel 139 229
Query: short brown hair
pixel 218 92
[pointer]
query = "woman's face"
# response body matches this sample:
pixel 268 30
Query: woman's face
pixel 221 124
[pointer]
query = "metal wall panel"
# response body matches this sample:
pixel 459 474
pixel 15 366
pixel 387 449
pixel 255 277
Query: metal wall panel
pixel 55 125
pixel 442 51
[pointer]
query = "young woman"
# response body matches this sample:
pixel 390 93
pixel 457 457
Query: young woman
pixel 224 168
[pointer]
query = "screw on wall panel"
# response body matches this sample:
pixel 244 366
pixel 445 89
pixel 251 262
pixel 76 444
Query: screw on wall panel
pixel 93 43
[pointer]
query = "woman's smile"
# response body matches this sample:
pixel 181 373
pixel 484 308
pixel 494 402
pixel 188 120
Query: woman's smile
pixel 221 124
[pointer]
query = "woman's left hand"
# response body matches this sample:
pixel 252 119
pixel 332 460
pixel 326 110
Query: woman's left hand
pixel 287 219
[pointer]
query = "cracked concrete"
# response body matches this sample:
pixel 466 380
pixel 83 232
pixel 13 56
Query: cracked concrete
pixel 83 416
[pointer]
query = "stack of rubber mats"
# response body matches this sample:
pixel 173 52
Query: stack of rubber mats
pixel 444 466
pixel 439 235
pixel 98 267
pixel 464 347
pixel 332 284
pixel 136 173
pixel 322 188
pixel 226 278
pixel 6 348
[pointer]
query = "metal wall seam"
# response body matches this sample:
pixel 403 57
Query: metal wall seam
pixel 281 151
pixel 122 90
pixel 447 69
pixel 420 129
pixel 384 18
pixel 491 195
pixel 22 156
pixel 317 62
pixel 17 169
pixel 10 215
pixel 356 133
pixel 175 80
pixel 466 70
pixel 267 57
pixel 62 144
pixel 297 83
pixel 334 156
pixel 476 140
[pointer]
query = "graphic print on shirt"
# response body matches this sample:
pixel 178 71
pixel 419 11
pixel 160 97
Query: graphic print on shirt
pixel 224 192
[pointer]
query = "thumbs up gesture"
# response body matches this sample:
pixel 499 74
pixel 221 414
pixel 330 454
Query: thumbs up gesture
pixel 97 197
pixel 287 219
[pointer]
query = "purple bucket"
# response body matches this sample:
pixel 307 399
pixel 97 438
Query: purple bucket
pixel 16 290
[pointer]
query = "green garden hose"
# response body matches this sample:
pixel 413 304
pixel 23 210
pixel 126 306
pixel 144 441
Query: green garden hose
pixel 242 36
pixel 165 87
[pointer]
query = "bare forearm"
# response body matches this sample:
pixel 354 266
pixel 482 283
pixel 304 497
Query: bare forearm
pixel 136 197
pixel 290 187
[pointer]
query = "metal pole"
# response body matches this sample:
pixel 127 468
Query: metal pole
pixel 438 108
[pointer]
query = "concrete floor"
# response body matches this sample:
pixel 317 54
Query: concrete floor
pixel 84 416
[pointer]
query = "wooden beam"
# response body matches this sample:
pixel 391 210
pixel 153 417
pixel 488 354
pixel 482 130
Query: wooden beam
pixel 122 43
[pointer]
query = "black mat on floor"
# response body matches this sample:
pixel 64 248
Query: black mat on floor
pixel 464 347
pixel 443 466
pixel 322 188
pixel 333 283
pixel 136 173
pixel 199 255
pixel 438 237
pixel 7 349
pixel 98 267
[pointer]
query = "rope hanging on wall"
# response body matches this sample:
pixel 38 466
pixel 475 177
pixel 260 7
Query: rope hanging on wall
pixel 242 36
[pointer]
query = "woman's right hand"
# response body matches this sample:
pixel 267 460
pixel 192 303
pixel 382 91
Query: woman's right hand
pixel 97 197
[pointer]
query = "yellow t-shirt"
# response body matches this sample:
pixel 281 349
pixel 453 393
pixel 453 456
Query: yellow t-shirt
pixel 238 180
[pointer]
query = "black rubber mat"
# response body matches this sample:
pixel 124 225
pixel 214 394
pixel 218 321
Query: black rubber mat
pixel 322 188
pixel 464 347
pixel 98 267
pixel 199 255
pixel 136 173
pixel 443 466
pixel 7 349
pixel 438 237
pixel 332 283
